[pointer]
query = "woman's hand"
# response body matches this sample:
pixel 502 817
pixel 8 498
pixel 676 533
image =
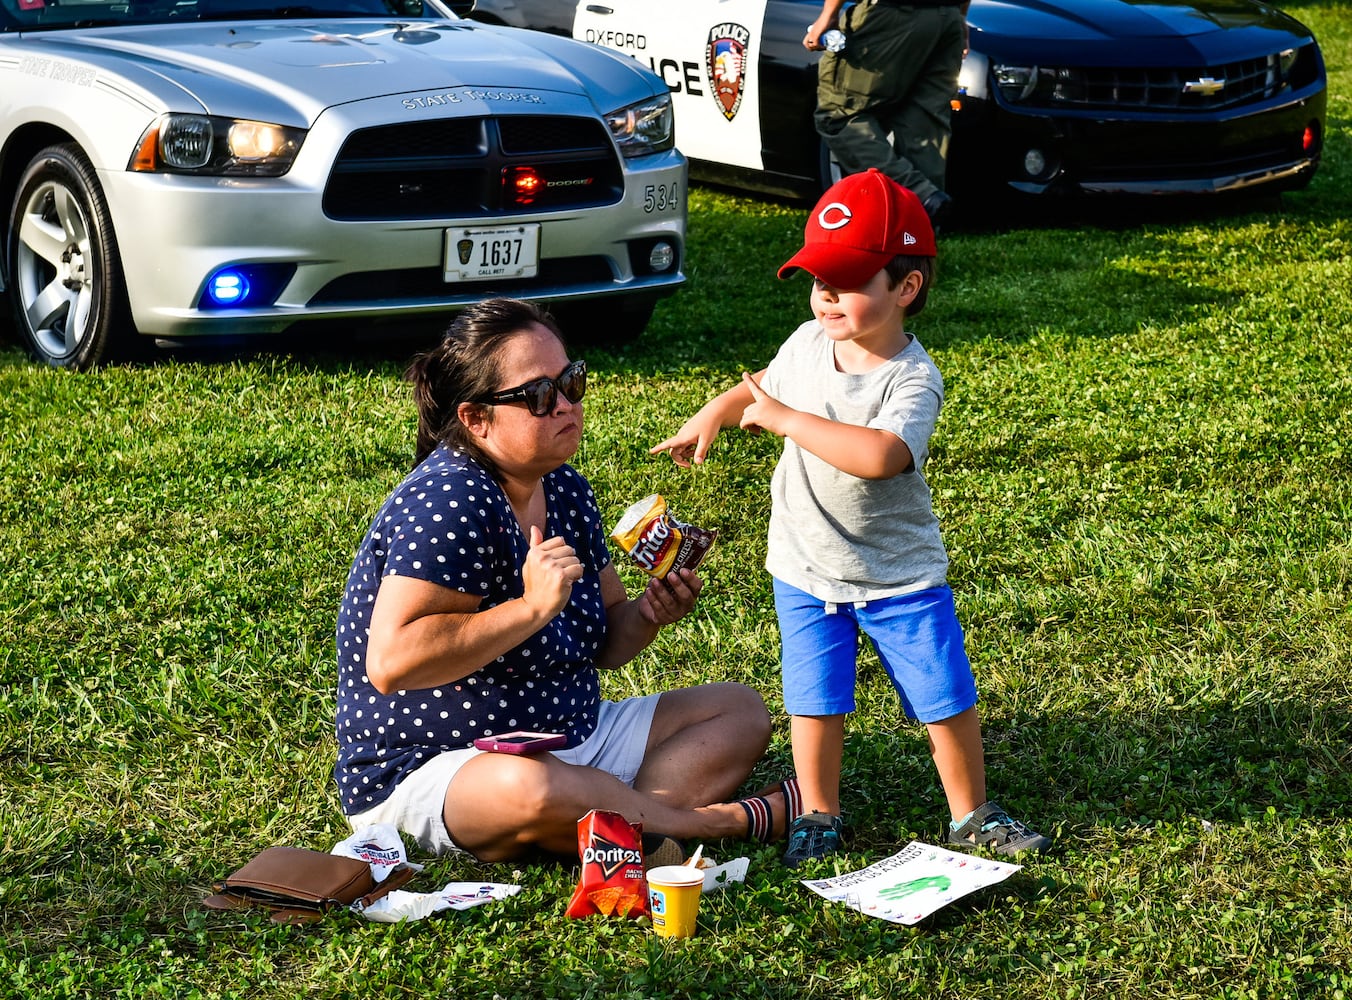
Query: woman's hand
pixel 671 598
pixel 423 634
pixel 551 569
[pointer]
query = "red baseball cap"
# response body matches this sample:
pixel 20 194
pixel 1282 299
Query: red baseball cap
pixel 861 223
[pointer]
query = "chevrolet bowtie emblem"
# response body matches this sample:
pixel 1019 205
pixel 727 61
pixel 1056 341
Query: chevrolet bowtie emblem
pixel 1206 86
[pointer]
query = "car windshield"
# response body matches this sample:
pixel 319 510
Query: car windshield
pixel 28 15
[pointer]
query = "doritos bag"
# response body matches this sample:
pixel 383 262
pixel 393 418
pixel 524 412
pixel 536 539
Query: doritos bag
pixel 612 880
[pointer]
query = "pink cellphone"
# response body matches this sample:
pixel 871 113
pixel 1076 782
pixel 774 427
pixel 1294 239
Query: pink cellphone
pixel 522 742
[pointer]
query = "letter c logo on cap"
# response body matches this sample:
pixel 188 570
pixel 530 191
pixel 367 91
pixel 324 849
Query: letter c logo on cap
pixel 833 216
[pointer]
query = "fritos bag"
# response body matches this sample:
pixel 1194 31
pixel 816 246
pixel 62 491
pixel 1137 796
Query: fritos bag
pixel 612 880
pixel 657 541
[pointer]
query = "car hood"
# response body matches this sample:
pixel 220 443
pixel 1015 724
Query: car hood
pixel 299 68
pixel 1098 31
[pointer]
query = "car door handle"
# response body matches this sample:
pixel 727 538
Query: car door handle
pixel 596 8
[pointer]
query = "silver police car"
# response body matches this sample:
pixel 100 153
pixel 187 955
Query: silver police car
pixel 181 168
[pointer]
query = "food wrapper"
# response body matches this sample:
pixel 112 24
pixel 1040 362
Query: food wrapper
pixel 400 905
pixel 657 541
pixel 724 875
pixel 380 846
pixel 612 882
pixel 718 876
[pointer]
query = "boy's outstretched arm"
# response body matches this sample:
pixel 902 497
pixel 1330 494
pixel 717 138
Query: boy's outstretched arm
pixel 691 443
pixel 866 452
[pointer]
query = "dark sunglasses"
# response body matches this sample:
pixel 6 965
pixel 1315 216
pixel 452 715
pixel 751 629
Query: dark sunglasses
pixel 540 395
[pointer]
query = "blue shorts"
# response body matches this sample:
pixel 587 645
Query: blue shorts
pixel 918 640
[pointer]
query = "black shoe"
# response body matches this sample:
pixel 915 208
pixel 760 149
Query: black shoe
pixel 938 206
pixel 812 835
pixel 990 826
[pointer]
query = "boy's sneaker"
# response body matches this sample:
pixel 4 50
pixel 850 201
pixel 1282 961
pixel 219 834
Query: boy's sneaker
pixel 990 826
pixel 812 835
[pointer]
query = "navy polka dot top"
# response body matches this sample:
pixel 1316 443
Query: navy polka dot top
pixel 450 523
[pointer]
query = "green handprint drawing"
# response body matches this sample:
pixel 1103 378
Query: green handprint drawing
pixel 904 889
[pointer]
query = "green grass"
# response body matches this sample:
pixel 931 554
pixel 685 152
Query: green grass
pixel 1142 473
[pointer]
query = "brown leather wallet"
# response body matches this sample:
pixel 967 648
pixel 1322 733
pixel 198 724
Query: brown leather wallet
pixel 299 885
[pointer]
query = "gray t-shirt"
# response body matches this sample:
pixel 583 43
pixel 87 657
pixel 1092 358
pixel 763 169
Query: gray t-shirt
pixel 836 536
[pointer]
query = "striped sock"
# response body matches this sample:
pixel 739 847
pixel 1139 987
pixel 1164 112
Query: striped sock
pixel 758 818
pixel 760 821
pixel 793 799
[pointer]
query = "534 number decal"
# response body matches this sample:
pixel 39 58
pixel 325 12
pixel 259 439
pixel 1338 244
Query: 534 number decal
pixel 661 197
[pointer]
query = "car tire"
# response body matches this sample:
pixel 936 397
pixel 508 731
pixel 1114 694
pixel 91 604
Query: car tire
pixel 65 275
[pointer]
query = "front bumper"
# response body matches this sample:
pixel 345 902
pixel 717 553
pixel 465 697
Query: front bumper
pixel 1035 152
pixel 174 232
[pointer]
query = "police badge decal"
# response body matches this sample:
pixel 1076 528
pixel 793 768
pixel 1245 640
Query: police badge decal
pixel 725 61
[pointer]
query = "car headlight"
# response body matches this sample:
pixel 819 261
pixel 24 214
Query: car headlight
pixel 1016 83
pixel 1047 84
pixel 206 144
pixel 644 128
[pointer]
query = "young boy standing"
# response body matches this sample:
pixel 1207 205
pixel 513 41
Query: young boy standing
pixel 854 544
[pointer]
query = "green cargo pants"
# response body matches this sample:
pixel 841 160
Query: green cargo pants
pixel 886 100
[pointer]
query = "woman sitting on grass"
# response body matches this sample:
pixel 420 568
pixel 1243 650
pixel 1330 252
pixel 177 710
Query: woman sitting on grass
pixel 483 600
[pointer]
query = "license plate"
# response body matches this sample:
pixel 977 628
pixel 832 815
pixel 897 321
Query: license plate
pixel 483 253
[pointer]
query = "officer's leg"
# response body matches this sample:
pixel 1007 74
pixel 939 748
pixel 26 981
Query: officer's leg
pixel 921 125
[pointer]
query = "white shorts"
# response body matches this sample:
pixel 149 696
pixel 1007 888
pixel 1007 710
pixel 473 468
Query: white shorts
pixel 416 805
